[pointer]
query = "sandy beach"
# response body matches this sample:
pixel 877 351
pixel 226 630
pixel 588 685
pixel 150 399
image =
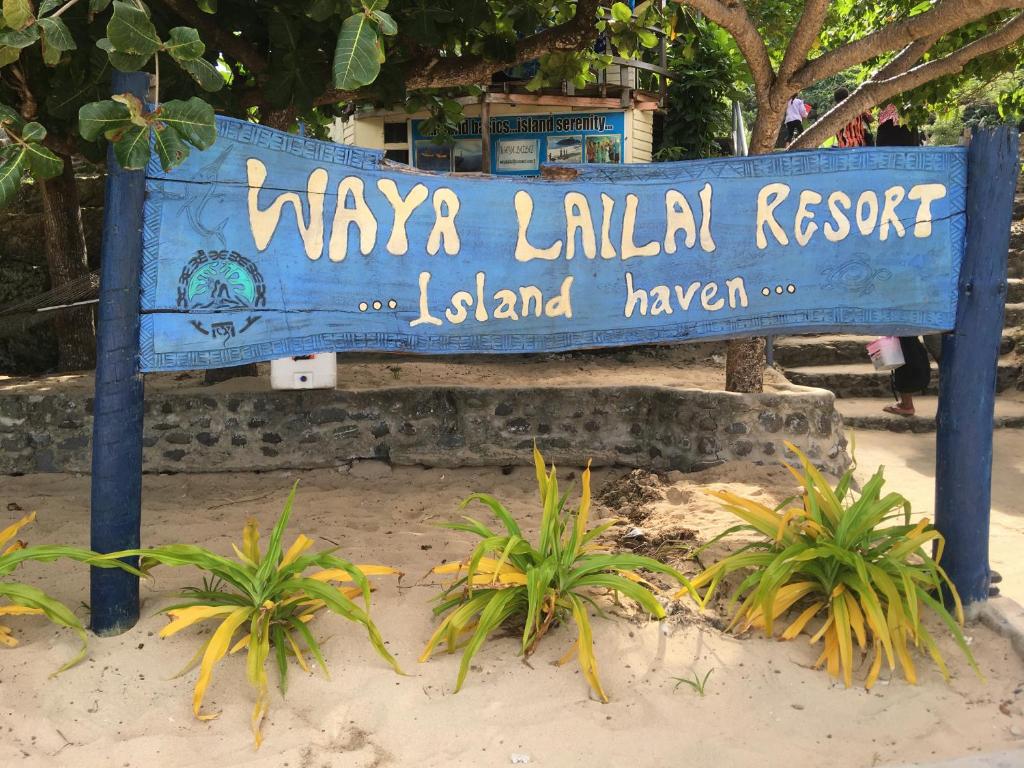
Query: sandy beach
pixel 763 704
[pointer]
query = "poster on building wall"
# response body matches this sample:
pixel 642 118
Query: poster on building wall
pixel 522 143
pixel 511 155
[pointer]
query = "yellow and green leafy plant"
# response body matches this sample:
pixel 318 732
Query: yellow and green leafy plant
pixel 262 602
pixel 25 600
pixel 854 559
pixel 506 579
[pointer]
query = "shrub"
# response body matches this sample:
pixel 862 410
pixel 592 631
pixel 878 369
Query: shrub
pixel 507 579
pixel 26 600
pixel 846 557
pixel 269 594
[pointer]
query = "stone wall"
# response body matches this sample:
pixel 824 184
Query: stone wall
pixel 659 428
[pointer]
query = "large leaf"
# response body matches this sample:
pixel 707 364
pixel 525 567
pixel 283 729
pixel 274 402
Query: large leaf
pixel 100 117
pixel 356 58
pixel 19 38
pixel 11 170
pixel 184 44
pixel 132 148
pixel 33 132
pixel 322 10
pixel 56 35
pixel 384 21
pixel 193 119
pixel 204 73
pixel 131 31
pixel 18 13
pixel 48 5
pixel 8 55
pixel 169 147
pixel 11 117
pixel 126 62
pixel 56 612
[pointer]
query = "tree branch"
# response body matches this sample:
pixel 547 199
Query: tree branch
pixel 731 15
pixel 216 37
pixel 875 91
pixel 452 71
pixel 906 58
pixel 804 36
pixel 944 17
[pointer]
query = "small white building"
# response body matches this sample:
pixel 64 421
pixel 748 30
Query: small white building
pixel 610 122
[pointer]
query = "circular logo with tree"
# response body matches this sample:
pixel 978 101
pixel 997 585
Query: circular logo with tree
pixel 215 280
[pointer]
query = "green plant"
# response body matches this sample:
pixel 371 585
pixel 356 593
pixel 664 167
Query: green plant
pixel 874 582
pixel 270 594
pixel 507 579
pixel 698 683
pixel 26 600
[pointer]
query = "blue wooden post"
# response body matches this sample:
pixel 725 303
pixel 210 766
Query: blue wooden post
pixel 117 411
pixel 963 468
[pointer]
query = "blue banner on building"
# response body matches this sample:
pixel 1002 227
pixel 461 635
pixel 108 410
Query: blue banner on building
pixel 520 144
pixel 268 245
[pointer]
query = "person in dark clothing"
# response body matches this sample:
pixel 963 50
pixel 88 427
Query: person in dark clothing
pixel 910 378
pixel 916 372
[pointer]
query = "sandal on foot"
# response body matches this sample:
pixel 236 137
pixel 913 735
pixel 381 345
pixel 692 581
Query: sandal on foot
pixel 896 410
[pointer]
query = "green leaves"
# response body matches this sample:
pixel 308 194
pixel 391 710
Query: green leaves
pixel 356 56
pixel 184 44
pixel 18 13
pixel 270 593
pixel 56 39
pixel 19 38
pixel 194 120
pixel 12 168
pixel 132 40
pixel 173 125
pixel 24 153
pixel 102 118
pixel 203 72
pixel 621 12
pixel 131 31
pixel 832 548
pixel 505 577
pixel 360 49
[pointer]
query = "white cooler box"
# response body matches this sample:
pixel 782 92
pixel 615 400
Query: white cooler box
pixel 319 371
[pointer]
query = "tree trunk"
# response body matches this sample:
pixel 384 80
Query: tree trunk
pixel 744 364
pixel 66 258
pixel 282 120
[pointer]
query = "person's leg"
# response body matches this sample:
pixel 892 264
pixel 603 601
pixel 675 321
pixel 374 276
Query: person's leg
pixel 904 405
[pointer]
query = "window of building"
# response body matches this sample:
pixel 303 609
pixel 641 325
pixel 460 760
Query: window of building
pixel 398 155
pixel 396 133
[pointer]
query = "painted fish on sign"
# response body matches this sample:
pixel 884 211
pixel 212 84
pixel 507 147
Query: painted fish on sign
pixel 309 246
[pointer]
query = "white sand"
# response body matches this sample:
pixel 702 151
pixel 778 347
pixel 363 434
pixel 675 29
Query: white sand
pixel 764 706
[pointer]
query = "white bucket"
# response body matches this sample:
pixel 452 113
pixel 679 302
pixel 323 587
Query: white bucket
pixel 886 353
pixel 319 371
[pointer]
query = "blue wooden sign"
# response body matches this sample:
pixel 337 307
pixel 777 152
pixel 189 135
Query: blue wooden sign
pixel 270 244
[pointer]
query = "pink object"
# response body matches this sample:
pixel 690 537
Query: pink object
pixel 807 108
pixel 886 353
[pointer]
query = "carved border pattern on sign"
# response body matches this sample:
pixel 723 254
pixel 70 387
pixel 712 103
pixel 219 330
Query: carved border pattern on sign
pixel 849 318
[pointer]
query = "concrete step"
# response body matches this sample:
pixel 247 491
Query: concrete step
pixel 800 351
pixel 1015 291
pixel 862 380
pixel 1014 317
pixel 867 413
